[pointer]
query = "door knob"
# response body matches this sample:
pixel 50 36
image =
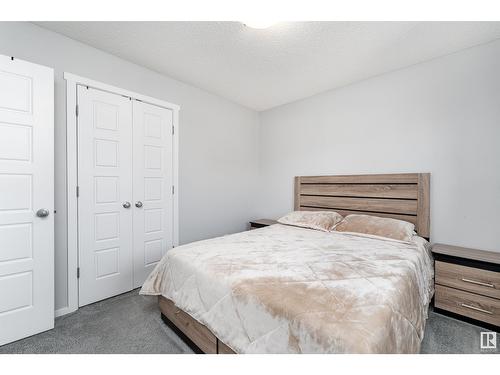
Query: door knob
pixel 138 204
pixel 126 205
pixel 42 212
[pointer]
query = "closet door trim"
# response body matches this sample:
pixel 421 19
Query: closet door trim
pixel 72 81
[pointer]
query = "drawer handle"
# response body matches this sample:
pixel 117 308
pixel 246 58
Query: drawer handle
pixel 478 283
pixel 476 308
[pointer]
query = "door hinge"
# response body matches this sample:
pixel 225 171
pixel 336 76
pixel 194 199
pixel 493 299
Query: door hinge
pixel 173 189
pixel 173 132
pixel 76 110
pixel 78 272
pixel 77 191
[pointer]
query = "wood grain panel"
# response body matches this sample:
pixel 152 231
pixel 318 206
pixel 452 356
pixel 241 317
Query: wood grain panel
pixel 409 218
pixel 398 191
pixel 466 253
pixel 423 205
pixel 224 349
pixel 402 196
pixel 197 332
pixel 399 178
pixel 398 206
pixel 254 224
pixel 469 279
pixel 296 199
pixel 468 304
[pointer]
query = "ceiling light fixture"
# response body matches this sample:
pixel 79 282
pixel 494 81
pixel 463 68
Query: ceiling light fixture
pixel 259 24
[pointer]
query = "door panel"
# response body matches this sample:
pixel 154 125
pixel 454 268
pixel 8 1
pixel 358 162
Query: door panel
pixel 26 185
pixel 105 185
pixel 152 187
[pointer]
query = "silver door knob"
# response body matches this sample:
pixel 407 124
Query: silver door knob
pixel 42 212
pixel 138 204
pixel 126 205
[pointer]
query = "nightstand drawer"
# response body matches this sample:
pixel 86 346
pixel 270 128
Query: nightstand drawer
pixel 468 304
pixel 470 279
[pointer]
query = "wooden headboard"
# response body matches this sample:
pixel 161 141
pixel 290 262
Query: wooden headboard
pixel 400 196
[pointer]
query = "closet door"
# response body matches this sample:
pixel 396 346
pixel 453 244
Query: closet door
pixel 105 205
pixel 26 199
pixel 153 208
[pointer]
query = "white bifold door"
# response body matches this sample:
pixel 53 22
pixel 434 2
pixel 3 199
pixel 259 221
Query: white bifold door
pixel 152 187
pixel 125 209
pixel 26 199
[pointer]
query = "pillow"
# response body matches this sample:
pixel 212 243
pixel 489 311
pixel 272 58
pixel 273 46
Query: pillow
pixel 378 226
pixel 319 220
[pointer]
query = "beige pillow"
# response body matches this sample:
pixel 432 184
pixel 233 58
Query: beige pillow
pixel 319 220
pixel 378 226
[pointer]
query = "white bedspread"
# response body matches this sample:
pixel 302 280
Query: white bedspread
pixel 284 289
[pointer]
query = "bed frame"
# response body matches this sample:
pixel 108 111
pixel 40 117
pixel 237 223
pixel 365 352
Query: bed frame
pixel 403 196
pixel 398 196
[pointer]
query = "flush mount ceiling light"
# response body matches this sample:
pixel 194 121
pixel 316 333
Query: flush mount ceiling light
pixel 259 24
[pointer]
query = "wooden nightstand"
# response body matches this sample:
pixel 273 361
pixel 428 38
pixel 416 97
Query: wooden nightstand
pixel 260 223
pixel 467 283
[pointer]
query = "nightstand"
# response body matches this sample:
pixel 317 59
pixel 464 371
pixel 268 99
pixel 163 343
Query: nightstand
pixel 260 223
pixel 467 283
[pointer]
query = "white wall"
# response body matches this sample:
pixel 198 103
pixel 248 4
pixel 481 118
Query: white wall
pixel 218 139
pixel 441 116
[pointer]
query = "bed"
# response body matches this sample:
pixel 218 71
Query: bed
pixel 285 289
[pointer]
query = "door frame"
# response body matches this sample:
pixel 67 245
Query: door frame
pixel 72 81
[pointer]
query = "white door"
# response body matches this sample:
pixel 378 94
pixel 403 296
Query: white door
pixel 105 194
pixel 26 186
pixel 152 171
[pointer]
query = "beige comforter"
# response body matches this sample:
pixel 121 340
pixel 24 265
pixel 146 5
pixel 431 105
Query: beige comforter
pixel 284 289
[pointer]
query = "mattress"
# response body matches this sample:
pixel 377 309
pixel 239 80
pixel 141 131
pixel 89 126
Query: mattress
pixel 284 289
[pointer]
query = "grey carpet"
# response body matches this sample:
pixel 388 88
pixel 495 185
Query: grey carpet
pixel 131 323
pixel 128 323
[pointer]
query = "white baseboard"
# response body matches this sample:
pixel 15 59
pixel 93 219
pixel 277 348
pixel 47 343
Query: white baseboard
pixel 63 311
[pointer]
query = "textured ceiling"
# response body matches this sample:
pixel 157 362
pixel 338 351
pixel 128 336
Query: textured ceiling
pixel 262 69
